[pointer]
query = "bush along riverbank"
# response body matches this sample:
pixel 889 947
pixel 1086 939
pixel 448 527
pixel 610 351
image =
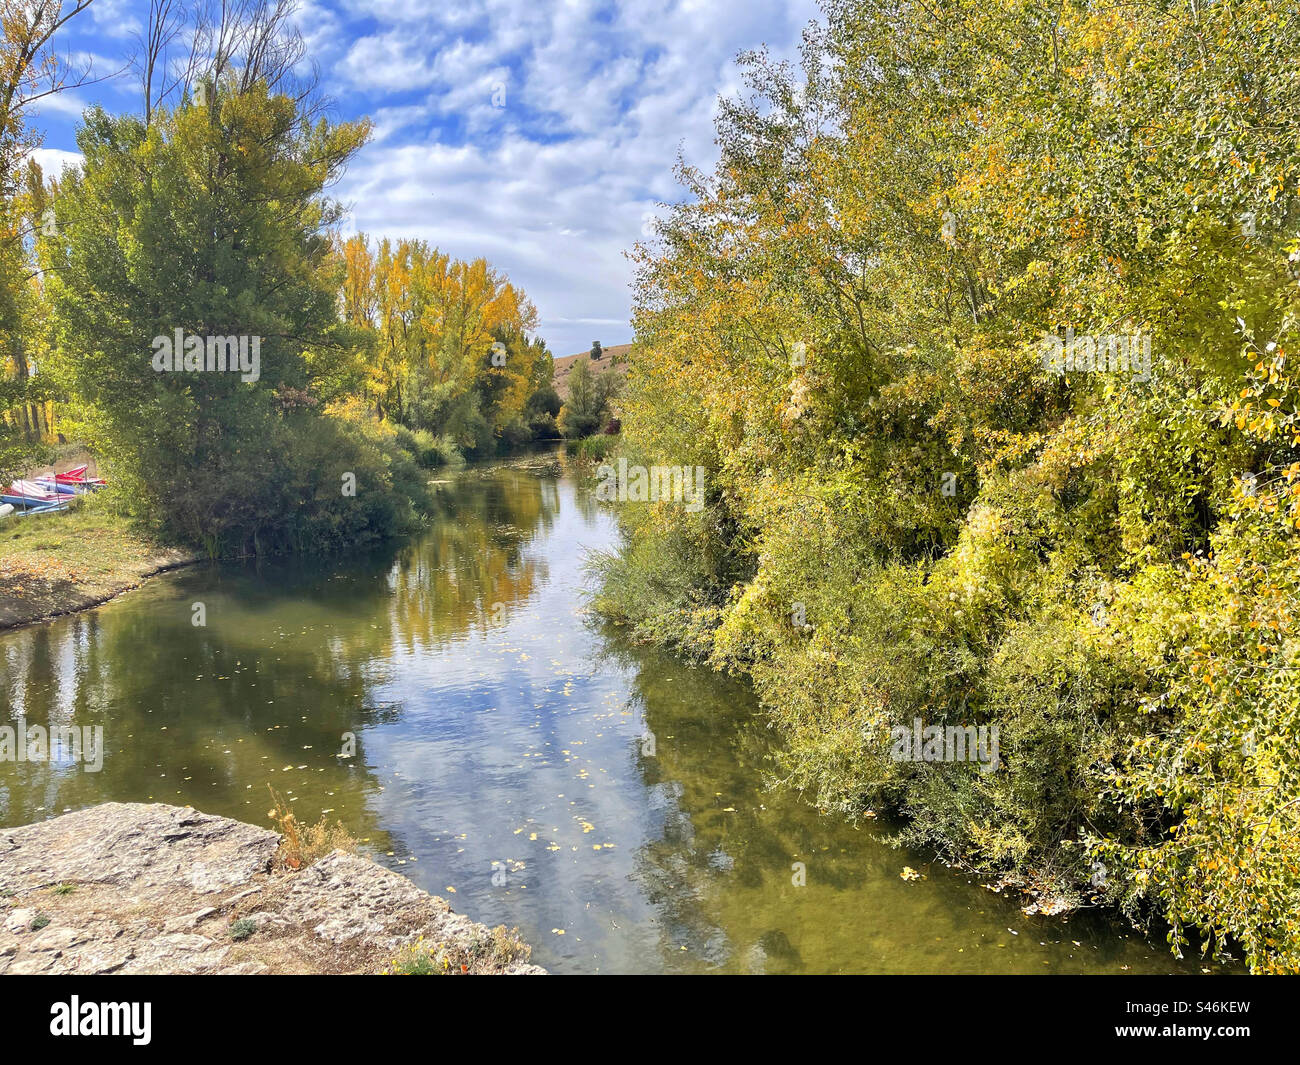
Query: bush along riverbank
pixel 1000 431
pixel 109 542
pixel 270 387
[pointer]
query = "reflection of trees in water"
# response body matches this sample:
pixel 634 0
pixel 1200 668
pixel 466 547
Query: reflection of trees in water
pixel 584 499
pixel 720 880
pixel 285 667
pixel 719 871
pixel 190 714
pixel 472 569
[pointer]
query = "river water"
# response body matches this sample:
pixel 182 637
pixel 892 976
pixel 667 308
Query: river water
pixel 450 702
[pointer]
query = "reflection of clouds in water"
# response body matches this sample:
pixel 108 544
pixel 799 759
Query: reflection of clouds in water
pixel 480 752
pixel 721 861
pixel 517 742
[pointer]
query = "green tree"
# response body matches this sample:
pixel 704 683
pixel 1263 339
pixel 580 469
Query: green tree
pixel 210 220
pixel 587 408
pixel 914 513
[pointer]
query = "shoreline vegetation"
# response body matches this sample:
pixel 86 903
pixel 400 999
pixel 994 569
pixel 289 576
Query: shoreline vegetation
pixel 66 563
pixel 924 506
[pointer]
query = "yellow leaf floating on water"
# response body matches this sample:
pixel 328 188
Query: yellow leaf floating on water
pixel 909 873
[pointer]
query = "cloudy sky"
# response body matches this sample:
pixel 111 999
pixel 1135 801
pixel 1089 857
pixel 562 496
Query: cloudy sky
pixel 538 133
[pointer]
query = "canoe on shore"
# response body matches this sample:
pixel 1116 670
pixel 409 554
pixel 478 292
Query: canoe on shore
pixel 77 476
pixel 29 494
pixel 47 508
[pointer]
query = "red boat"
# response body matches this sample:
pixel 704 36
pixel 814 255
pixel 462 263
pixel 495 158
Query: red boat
pixel 77 476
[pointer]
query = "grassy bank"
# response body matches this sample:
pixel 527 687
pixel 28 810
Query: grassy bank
pixel 591 449
pixel 58 563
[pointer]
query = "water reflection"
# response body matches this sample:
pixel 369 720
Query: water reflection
pixel 501 758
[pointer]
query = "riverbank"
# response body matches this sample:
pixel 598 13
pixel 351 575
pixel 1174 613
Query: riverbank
pixel 448 701
pixel 149 888
pixel 56 564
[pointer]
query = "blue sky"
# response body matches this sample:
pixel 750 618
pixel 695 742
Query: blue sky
pixel 553 186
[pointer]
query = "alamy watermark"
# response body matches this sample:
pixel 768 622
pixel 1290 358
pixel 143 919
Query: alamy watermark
pixel 946 743
pixel 652 484
pixel 77 1018
pixel 1098 353
pixel 59 743
pixel 213 354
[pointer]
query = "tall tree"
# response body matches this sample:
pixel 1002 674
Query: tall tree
pixel 210 220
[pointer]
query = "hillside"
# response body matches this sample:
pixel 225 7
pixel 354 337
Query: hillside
pixel 615 356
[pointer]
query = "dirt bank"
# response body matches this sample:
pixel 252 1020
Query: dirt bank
pixel 53 564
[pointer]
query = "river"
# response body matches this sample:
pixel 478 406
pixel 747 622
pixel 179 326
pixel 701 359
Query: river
pixel 450 702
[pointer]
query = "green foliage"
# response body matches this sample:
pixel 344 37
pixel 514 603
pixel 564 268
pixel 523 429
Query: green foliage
pixel 587 408
pixel 428 451
pixel 910 515
pixel 591 449
pixel 541 410
pixel 211 220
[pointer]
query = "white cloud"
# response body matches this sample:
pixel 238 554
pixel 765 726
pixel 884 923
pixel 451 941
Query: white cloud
pixel 552 187
pixel 68 104
pixel 555 186
pixel 53 161
pixel 115 18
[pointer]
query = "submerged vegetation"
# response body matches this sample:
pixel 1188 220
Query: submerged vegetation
pixel 904 326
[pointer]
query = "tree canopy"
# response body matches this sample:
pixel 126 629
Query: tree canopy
pixel 914 511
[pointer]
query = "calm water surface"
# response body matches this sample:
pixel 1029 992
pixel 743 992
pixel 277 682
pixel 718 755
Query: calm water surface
pixel 494 723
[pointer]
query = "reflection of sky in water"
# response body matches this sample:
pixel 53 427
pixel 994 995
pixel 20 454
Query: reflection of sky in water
pixel 516 743
pixel 511 740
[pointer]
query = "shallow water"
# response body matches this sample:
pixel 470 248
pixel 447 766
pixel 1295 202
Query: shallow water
pixel 503 755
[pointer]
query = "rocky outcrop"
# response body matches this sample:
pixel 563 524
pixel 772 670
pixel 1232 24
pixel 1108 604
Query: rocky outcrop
pixel 136 888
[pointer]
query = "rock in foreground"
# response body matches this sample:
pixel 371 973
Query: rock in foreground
pixel 136 888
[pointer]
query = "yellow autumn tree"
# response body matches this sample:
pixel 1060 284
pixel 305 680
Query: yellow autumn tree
pixel 451 350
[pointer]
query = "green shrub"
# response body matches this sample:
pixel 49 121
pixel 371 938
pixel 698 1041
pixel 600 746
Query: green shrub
pixel 242 929
pixel 428 451
pixel 591 449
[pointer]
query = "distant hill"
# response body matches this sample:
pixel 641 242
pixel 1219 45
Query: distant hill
pixel 615 356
